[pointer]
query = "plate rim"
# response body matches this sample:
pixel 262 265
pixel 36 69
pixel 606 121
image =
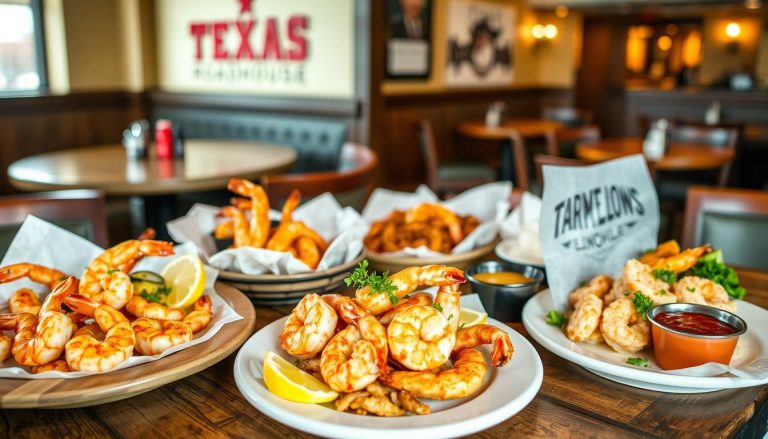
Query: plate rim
pixel 630 373
pixel 464 427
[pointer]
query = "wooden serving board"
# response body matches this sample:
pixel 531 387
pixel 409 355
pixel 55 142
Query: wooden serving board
pixel 125 383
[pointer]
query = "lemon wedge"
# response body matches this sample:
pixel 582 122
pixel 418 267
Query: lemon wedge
pixel 186 278
pixel 289 382
pixel 470 317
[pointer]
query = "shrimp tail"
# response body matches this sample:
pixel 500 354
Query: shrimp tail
pixel 81 304
pixel 8 322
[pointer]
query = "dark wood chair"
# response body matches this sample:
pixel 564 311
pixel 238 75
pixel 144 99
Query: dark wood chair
pixel 539 160
pixel 351 184
pixel 449 178
pixel 734 220
pixel 79 211
pixel 568 116
pixel 567 138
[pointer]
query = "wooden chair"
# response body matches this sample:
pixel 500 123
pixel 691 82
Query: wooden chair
pixel 734 220
pixel 448 178
pixel 79 211
pixel 351 184
pixel 567 138
pixel 569 116
pixel 540 160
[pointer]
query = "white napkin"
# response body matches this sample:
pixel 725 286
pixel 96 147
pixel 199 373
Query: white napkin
pixel 523 224
pixel 488 202
pixel 343 227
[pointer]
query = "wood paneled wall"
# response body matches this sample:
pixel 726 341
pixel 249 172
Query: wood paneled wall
pixel 34 125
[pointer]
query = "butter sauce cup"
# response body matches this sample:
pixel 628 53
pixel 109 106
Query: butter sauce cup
pixel 504 302
pixel 676 349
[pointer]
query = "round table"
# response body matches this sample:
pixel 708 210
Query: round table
pixel 677 157
pixel 504 133
pixel 207 165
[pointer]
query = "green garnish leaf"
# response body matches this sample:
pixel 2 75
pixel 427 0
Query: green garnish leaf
pixel 378 284
pixel 667 276
pixel 691 289
pixel 711 267
pixel 637 361
pixel 554 318
pixel 437 307
pixel 583 284
pixel 462 325
pixel 113 271
pixel 662 292
pixel 450 316
pixel 157 295
pixel 642 303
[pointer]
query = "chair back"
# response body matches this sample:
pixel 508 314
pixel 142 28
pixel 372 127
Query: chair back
pixel 539 160
pixel 429 152
pixel 734 220
pixel 569 116
pixel 80 211
pixel 568 137
pixel 351 184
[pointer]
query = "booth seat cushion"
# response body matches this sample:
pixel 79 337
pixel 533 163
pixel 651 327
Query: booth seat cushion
pixel 318 141
pixel 742 237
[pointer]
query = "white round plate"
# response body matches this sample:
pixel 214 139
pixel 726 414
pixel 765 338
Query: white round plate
pixel 604 361
pixel 506 391
pixel 509 250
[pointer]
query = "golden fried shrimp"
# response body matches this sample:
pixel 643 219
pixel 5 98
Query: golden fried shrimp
pixel 291 203
pixel 40 339
pixel 406 281
pixel 224 230
pixel 86 353
pixel 308 251
pixel 36 273
pixel 683 260
pixel 121 257
pixel 310 326
pixel 355 356
pixel 623 328
pixel 24 300
pixel 154 337
pixel 464 379
pixel 379 405
pixel 618 290
pixel 201 316
pixel 585 318
pixel 598 286
pixel 486 334
pixel 414 299
pixel 428 212
pixel 420 338
pixel 93 330
pixel 286 234
pixel 57 365
pixel 663 250
pixel 447 302
pixel 148 233
pixel 693 289
pixel 259 229
pixel 239 224
pixel 411 404
pixel 141 307
pixel 639 277
pixel 5 346
pixel 116 289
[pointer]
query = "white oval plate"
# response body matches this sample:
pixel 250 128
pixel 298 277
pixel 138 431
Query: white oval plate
pixel 508 250
pixel 506 391
pixel 604 361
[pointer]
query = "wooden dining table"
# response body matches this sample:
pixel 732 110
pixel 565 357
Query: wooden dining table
pixel 678 156
pixel 207 165
pixel 572 402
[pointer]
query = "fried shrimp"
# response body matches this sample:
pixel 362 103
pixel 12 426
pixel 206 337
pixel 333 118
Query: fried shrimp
pixel 259 227
pixel 201 316
pixel 34 272
pixel 618 290
pixel 426 212
pixel 310 326
pixel 420 338
pixel 406 281
pixel 5 347
pixel 24 300
pixel 623 328
pixel 683 260
pixel 237 227
pixel 58 365
pixel 639 277
pixel 40 339
pixel 141 307
pixel 664 250
pixel 464 379
pixel 154 337
pixel 599 286
pixel 693 289
pixel 414 299
pixel 486 334
pixel 585 318
pixel 447 302
pixel 87 353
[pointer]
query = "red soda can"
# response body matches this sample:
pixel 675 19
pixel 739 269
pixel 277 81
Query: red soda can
pixel 164 139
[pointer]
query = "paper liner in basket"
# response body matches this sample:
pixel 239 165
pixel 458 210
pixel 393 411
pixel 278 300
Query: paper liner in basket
pixel 43 243
pixel 342 227
pixel 488 202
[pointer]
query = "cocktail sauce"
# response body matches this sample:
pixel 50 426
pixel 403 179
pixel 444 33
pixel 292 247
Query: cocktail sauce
pixel 694 323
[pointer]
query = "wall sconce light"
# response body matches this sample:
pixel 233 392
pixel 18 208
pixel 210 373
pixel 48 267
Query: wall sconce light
pixel 544 33
pixel 733 31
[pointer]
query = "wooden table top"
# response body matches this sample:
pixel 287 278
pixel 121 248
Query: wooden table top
pixel 525 127
pixel 677 157
pixel 207 165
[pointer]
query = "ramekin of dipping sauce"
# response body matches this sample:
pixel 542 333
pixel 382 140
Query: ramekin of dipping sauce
pixel 688 335
pixel 504 288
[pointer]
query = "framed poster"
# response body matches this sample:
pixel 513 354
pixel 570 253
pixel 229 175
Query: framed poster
pixel 409 38
pixel 480 38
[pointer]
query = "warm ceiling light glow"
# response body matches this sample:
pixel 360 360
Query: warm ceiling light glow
pixel 550 31
pixel 664 42
pixel 733 30
pixel 561 11
pixel 692 49
pixel 537 31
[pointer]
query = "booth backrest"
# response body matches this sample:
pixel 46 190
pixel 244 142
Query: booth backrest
pixel 317 141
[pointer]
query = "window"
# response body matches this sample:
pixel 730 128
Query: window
pixel 22 59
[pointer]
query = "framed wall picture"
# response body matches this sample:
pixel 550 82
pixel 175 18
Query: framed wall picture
pixel 409 38
pixel 480 38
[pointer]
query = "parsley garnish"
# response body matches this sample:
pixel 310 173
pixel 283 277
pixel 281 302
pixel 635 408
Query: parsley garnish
pixel 691 289
pixel 667 276
pixel 156 296
pixel 639 362
pixel 450 316
pixel 379 284
pixel 583 284
pixel 662 292
pixel 554 318
pixel 463 324
pixel 642 303
pixel 711 267
pixel 113 271
pixel 437 307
